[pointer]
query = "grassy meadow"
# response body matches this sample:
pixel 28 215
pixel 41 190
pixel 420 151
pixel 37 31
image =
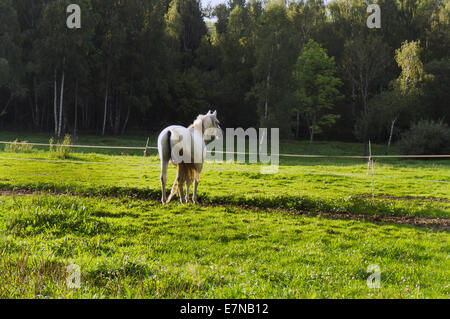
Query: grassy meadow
pixel 249 238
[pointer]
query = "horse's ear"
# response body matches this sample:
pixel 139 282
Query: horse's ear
pixel 209 112
pixel 215 113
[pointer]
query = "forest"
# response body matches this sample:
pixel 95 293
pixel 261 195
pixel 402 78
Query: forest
pixel 313 69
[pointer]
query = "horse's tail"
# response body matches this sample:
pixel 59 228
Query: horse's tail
pixel 169 146
pixel 164 147
pixel 191 172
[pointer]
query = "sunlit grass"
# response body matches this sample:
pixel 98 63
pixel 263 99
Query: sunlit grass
pixel 129 248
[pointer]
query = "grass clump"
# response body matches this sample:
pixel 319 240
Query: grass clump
pixel 49 215
pixel 61 150
pixel 18 147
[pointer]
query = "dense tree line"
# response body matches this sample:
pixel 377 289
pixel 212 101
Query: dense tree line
pixel 304 66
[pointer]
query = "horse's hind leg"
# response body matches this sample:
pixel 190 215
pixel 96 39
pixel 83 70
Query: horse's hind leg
pixel 173 191
pixel 197 170
pixel 164 156
pixel 163 177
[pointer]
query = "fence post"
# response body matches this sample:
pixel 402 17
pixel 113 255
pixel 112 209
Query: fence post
pixel 371 164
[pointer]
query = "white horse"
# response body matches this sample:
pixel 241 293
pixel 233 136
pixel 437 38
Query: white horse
pixel 179 144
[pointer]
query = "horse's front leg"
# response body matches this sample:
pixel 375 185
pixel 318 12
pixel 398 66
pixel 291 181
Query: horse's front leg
pixel 198 169
pixel 194 195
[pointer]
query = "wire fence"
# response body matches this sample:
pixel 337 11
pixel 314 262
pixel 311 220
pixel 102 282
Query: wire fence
pixel 369 157
pixel 233 153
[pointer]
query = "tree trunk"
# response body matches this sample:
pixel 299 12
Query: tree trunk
pixel 127 117
pixel 55 101
pixel 353 99
pixel 297 126
pixel 126 120
pixel 36 102
pixel 6 105
pixel 61 98
pixel 390 136
pixel 106 109
pixel 33 115
pixel 113 103
pixel 43 118
pixel 311 137
pixel 85 108
pixel 266 106
pixel 76 111
pixel 117 118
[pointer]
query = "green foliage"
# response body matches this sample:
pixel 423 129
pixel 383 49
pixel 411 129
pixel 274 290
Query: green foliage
pixel 426 137
pixel 412 76
pixel 11 68
pixel 151 59
pixel 374 123
pixel 316 87
pixel 402 103
pixel 275 55
pixel 4 72
pixel 437 29
pixel 435 92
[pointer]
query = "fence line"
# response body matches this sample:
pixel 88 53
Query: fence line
pixel 82 146
pixel 331 174
pixel 234 153
pixel 217 169
pixel 75 162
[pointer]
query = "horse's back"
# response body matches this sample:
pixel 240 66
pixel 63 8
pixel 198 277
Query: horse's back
pixel 173 135
pixel 167 138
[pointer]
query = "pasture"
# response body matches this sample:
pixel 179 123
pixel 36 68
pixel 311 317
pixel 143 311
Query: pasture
pixel 309 231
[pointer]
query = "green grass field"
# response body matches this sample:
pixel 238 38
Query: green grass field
pixel 249 238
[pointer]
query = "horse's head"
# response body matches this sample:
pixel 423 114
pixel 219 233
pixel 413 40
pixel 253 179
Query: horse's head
pixel 210 125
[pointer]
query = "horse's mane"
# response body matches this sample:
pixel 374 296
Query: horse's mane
pixel 199 118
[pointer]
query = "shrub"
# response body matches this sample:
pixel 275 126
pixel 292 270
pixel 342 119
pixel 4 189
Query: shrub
pixel 61 150
pixel 18 147
pixel 426 137
pixel 51 142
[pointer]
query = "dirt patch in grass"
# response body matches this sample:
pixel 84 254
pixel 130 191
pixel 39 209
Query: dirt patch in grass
pixel 436 223
pixel 409 198
pixel 13 193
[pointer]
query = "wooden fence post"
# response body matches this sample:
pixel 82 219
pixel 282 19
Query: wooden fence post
pixel 371 164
